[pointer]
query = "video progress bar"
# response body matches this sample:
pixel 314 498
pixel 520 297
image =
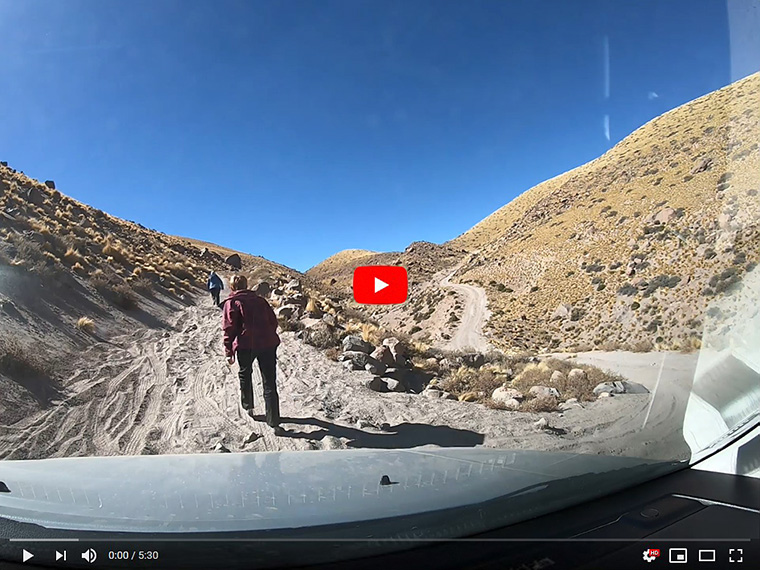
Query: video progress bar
pixel 392 540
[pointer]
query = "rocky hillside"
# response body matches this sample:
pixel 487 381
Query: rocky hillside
pixel 629 249
pixel 72 275
pixel 626 251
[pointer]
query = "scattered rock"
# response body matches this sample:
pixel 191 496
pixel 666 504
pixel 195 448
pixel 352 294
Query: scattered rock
pixel 294 285
pixel 330 320
pixel 50 184
pixel 541 424
pixel 205 253
pixel 251 438
pixel 234 261
pixel 432 393
pixel 434 384
pixel 504 394
pixel 474 360
pixel 563 311
pixel 576 375
pixel 394 385
pixel 557 377
pixel 375 367
pixel 360 360
pixel 376 384
pixel 448 396
pixel 34 196
pixel 355 343
pixel 604 395
pixel 397 351
pixel 220 448
pixel 384 355
pixel 510 404
pixel 610 388
pixel 543 392
pixel 665 215
pixel 704 164
pixel 263 289
pixel 190 328
pixel 286 311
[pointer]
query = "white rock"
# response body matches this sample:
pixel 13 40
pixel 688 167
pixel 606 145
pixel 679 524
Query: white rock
pixel 541 424
pixel 610 388
pixel 504 394
pixel 576 375
pixel 557 377
pixel 543 392
pixel 605 395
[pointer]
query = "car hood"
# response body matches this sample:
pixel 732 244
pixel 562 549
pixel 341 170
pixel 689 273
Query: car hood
pixel 285 490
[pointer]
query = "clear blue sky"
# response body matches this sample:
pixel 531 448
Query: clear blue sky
pixel 295 129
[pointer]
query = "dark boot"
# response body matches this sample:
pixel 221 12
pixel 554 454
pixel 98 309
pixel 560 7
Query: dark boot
pixel 268 366
pixel 245 361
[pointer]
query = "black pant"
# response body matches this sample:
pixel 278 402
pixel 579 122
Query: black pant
pixel 215 296
pixel 268 367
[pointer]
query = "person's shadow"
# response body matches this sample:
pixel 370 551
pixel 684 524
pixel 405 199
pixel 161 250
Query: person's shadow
pixel 400 436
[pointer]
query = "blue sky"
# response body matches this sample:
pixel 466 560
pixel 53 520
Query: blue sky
pixel 295 129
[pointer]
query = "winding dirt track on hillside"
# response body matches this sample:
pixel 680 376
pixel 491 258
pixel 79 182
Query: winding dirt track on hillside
pixel 469 333
pixel 171 391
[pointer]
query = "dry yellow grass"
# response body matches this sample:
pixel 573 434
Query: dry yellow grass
pixel 86 324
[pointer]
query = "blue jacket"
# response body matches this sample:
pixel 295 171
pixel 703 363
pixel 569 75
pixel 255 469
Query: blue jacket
pixel 214 282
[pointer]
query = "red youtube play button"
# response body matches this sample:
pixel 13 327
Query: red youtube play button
pixel 380 284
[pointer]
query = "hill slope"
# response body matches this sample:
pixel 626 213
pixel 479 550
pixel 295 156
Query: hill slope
pixel 625 251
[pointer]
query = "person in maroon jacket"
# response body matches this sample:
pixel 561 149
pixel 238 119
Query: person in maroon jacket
pixel 250 332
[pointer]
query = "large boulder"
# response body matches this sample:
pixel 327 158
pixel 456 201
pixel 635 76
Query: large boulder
pixel 286 311
pixel 234 261
pixel 376 384
pixel 394 385
pixel 557 377
pixel 384 355
pixel 543 392
pixel 474 360
pixel 294 285
pixel 296 299
pixel 397 350
pixel 34 196
pixel 375 367
pixel 610 388
pixel 262 288
pixel 330 319
pixel 503 394
pixel 576 375
pixel 356 343
pixel 359 360
pixel 50 184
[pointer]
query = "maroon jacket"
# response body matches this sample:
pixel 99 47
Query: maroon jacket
pixel 249 323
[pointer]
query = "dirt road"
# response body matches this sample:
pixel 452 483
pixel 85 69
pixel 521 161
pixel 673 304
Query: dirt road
pixel 171 391
pixel 469 333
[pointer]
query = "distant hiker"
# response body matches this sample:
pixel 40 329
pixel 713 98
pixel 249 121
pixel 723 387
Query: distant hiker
pixel 250 331
pixel 215 286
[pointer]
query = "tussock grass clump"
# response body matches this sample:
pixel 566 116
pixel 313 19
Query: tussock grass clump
pixel 86 324
pixel 114 250
pixel 540 405
pixel 20 361
pixel 465 379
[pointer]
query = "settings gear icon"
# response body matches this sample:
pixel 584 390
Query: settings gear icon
pixel 651 554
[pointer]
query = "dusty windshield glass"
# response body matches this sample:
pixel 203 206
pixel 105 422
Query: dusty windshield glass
pixel 262 226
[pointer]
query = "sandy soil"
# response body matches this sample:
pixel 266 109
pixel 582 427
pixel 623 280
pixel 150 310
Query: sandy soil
pixel 171 391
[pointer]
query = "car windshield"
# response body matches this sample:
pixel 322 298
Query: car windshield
pixel 516 236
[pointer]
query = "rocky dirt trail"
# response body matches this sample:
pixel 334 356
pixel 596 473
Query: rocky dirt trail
pixel 469 333
pixel 171 391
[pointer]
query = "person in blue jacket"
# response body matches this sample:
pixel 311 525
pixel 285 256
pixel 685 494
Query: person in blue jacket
pixel 215 286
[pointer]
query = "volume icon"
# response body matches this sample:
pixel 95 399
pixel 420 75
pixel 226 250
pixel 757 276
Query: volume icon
pixel 90 555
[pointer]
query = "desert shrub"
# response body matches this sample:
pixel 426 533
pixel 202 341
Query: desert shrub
pixel 540 405
pixel 143 286
pixel 123 296
pixel 644 345
pixel 290 325
pixel 72 256
pixel 113 250
pixel 85 324
pixel 465 379
pixel 322 335
pixel 20 361
pixel 332 353
pixel 311 305
pixel 183 273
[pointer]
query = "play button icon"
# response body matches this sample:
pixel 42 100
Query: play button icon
pixel 26 556
pixel 380 284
